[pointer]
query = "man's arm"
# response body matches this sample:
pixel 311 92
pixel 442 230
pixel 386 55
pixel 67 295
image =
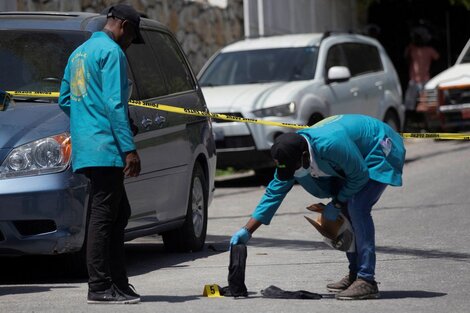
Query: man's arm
pixel 115 94
pixel 272 199
pixel 264 212
pixel 64 97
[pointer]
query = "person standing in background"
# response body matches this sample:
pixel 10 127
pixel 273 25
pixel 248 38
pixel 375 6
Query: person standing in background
pixel 420 56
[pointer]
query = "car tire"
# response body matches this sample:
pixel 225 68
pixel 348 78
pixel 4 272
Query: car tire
pixel 192 235
pixel 265 175
pixel 315 118
pixel 76 263
pixel 391 120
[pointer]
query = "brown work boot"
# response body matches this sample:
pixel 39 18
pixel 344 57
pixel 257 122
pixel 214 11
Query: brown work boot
pixel 360 289
pixel 343 284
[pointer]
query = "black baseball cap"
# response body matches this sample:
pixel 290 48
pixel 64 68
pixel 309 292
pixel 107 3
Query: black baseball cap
pixel 128 13
pixel 287 152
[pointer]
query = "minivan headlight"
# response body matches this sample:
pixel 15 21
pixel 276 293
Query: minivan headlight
pixel 279 110
pixel 43 156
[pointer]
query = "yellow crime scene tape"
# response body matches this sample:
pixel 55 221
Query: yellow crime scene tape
pixel 179 110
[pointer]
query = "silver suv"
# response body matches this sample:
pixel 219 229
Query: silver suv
pixel 297 79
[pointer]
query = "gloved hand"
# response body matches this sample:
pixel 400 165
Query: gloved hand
pixel 241 236
pixel 331 212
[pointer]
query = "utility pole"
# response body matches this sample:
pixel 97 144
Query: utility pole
pixel 246 17
pixel 260 18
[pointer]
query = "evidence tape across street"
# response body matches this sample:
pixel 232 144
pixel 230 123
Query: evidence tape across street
pixel 179 110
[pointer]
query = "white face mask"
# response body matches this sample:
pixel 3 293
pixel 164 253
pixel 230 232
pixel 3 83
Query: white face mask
pixel 301 172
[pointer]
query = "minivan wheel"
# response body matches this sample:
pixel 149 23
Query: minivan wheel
pixel 76 263
pixel 192 235
pixel 315 118
pixel 392 121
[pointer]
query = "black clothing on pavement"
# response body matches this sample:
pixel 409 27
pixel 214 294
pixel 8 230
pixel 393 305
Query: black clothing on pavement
pixel 236 274
pixel 278 293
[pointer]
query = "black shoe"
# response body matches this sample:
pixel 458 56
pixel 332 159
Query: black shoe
pixel 111 296
pixel 130 291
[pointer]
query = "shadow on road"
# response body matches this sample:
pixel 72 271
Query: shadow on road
pixel 426 253
pixel 459 146
pixel 141 258
pixel 27 289
pixel 402 294
pixel 170 299
pixel 147 257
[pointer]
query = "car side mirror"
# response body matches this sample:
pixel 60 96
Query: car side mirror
pixel 5 100
pixel 338 74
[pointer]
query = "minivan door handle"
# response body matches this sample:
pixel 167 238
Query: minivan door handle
pixel 354 91
pixel 379 85
pixel 160 120
pixel 146 122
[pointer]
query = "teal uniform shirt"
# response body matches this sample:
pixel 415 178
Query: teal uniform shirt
pixel 351 148
pixel 94 93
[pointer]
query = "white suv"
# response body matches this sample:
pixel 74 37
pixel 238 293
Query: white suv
pixel 299 79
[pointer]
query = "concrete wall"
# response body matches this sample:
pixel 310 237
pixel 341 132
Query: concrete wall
pixel 200 27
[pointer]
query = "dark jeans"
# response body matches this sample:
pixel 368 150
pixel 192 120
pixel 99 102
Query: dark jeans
pixel 362 261
pixel 109 213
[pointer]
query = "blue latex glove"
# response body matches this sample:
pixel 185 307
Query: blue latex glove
pixel 330 212
pixel 241 236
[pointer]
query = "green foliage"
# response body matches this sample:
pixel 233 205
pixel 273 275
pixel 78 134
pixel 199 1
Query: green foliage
pixel 465 3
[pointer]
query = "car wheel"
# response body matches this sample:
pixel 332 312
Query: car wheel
pixel 315 118
pixel 265 175
pixel 392 121
pixel 192 235
pixel 76 263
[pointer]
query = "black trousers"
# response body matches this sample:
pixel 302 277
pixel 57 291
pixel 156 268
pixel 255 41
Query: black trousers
pixel 109 213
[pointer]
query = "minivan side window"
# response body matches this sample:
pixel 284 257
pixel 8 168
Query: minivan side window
pixel 174 67
pixel 150 82
pixel 362 58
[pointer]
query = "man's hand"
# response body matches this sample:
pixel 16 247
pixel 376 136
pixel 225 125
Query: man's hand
pixel 240 237
pixel 132 168
pixel 331 212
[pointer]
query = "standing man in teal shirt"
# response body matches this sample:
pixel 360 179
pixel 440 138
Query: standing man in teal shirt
pixel 95 93
pixel 351 159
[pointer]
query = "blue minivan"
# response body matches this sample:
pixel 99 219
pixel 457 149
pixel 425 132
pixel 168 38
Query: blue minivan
pixel 43 204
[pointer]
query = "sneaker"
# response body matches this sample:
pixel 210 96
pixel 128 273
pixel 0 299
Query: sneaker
pixel 111 296
pixel 360 289
pixel 343 284
pixel 130 291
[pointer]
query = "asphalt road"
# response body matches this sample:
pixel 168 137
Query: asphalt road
pixel 423 252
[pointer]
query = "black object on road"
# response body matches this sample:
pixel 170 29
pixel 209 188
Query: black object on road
pixel 236 272
pixel 278 293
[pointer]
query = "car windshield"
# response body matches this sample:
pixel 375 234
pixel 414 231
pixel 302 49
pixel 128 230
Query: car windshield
pixel 261 66
pixel 466 57
pixel 35 60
